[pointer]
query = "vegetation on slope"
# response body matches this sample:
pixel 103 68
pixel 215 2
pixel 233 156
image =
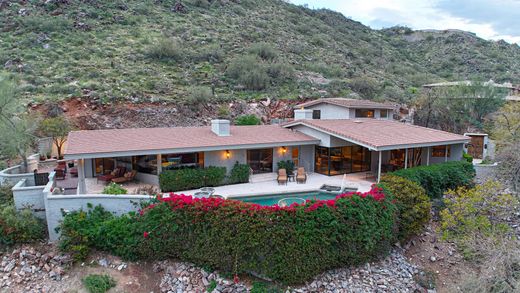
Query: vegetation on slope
pixel 159 50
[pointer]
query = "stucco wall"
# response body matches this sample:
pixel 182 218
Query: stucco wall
pixel 329 111
pixel 323 137
pixel 218 158
pixel 117 204
pixel 13 175
pixel 29 197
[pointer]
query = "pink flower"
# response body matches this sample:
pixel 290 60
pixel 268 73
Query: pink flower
pixel 145 234
pixel 236 279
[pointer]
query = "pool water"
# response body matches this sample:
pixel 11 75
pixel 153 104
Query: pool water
pixel 268 200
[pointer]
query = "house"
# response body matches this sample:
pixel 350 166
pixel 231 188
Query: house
pixel 345 136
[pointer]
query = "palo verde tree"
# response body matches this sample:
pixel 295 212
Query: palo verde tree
pixel 57 128
pixel 457 108
pixel 17 128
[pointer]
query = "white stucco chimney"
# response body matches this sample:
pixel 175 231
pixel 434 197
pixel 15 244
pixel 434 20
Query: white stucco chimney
pixel 221 127
pixel 302 114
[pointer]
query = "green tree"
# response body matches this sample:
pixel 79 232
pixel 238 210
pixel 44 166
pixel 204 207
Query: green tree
pixel 249 119
pixel 57 128
pixel 17 128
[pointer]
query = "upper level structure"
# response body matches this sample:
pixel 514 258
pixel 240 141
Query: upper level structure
pixel 343 108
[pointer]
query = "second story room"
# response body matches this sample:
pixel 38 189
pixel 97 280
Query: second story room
pixel 344 108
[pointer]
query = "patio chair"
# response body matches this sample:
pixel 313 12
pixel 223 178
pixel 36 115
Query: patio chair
pixel 301 175
pixel 127 177
pixel 118 172
pixel 62 165
pixel 282 177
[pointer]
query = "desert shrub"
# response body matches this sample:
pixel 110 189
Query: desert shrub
pixel 288 165
pixel 239 173
pixel 191 178
pixel 165 49
pixel 250 119
pixel 478 210
pixel 264 51
pixel 6 194
pixel 98 283
pixel 438 178
pixel 114 188
pixel 412 202
pixel 249 72
pixel 280 72
pixel 289 245
pixel 199 95
pixel 19 226
pixel 365 86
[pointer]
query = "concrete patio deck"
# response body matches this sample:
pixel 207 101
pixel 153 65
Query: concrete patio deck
pixel 259 185
pixel 314 182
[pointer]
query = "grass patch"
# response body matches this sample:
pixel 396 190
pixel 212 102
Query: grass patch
pixel 98 283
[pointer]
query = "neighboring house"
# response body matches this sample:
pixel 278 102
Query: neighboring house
pixel 337 142
pixel 342 108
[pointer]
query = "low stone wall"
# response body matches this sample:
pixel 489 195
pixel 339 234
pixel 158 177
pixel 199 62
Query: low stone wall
pixel 117 204
pixel 29 197
pixel 485 172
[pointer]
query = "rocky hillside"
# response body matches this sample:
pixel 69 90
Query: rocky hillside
pixel 196 51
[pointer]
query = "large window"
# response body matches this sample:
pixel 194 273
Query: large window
pixel 342 160
pixel 103 166
pixel 186 160
pixel 261 160
pixel 364 113
pixel 146 164
pixel 316 114
pixel 383 113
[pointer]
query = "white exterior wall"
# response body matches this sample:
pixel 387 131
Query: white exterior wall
pixel 329 111
pixel 307 157
pixel 29 197
pixel 323 137
pixel 89 168
pixel 219 159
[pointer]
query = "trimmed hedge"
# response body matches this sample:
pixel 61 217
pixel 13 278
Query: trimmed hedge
pixel 438 178
pixel 412 202
pixel 290 244
pixel 191 178
pixel 239 173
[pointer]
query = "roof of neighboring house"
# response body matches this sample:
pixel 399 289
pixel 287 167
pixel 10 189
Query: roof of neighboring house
pixel 347 103
pixel 135 141
pixel 382 134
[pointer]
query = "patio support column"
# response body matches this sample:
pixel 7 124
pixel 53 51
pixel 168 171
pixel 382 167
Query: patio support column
pixel 428 150
pixel 82 187
pixel 379 166
pixel 159 164
pixel 446 153
pixel 406 158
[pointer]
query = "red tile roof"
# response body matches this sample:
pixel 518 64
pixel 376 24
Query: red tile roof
pixel 155 139
pixel 379 134
pixel 348 103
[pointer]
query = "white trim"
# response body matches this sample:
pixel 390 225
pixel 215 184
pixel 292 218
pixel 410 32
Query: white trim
pixel 186 150
pixel 406 158
pixel 379 166
pixel 428 151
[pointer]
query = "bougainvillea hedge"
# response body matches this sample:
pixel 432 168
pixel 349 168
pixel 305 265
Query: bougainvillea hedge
pixel 287 244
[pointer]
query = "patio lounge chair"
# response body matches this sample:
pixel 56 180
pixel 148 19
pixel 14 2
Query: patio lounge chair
pixel 118 172
pixel 60 174
pixel 301 175
pixel 127 177
pixel 282 176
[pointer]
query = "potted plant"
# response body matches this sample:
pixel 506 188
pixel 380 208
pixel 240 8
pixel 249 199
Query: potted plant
pixel 43 157
pixel 49 155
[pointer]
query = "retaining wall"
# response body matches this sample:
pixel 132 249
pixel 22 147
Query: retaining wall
pixel 485 172
pixel 117 204
pixel 29 197
pixel 13 175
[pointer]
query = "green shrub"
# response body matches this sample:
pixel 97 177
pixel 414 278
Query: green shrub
pixel 191 178
pixel 199 95
pixel 19 226
pixel 249 72
pixel 438 178
pixel 264 51
pixel 467 157
pixel 6 194
pixel 239 173
pixel 288 245
pixel 98 283
pixel 250 119
pixel 288 165
pixel 412 202
pixel 114 188
pixel 165 49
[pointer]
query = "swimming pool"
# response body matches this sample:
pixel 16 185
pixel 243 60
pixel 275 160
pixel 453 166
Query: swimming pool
pixel 272 199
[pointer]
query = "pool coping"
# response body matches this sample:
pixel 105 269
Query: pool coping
pixel 234 196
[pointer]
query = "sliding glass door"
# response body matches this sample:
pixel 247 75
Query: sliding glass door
pixel 342 160
pixel 260 160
